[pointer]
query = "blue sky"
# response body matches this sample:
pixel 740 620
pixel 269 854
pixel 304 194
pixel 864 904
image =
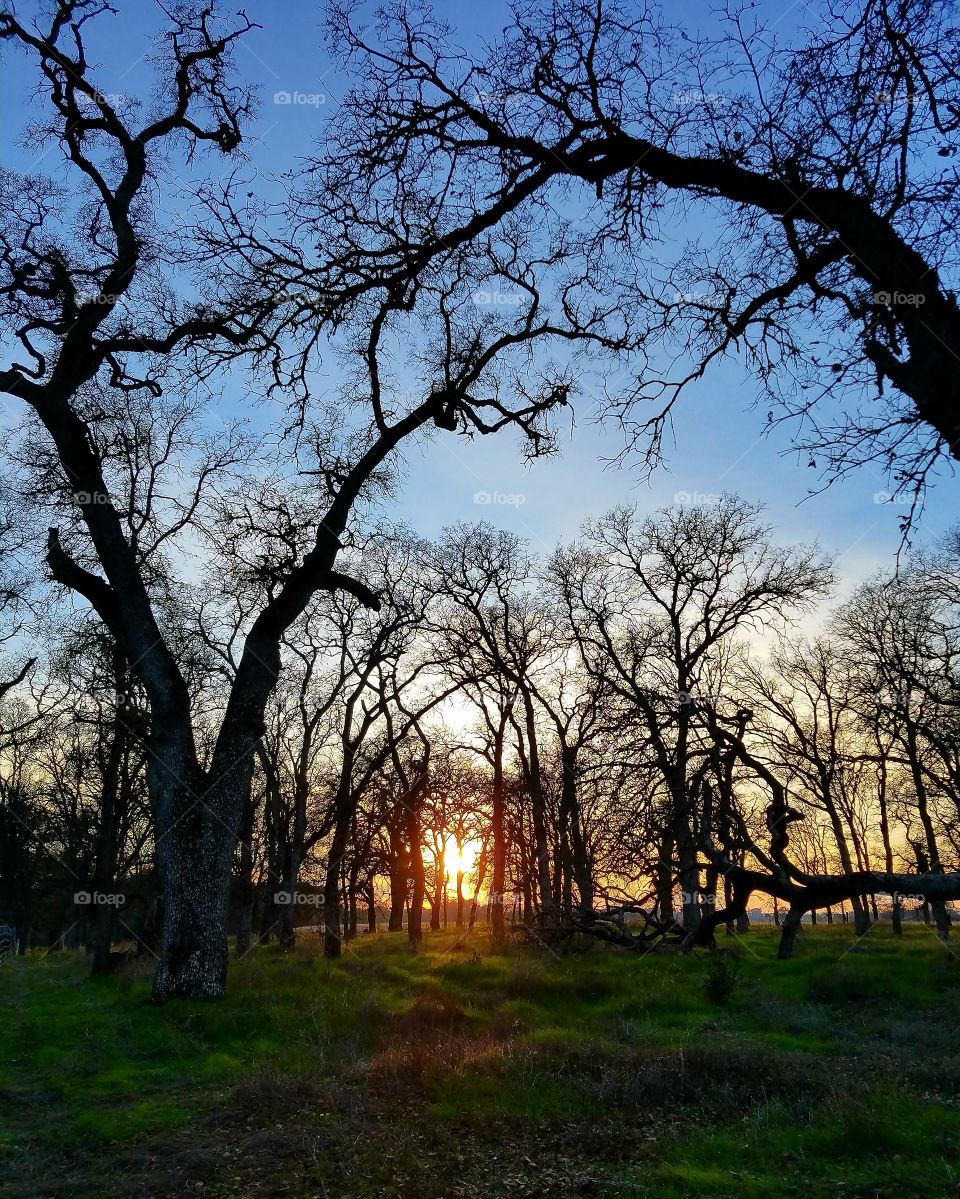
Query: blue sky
pixel 720 442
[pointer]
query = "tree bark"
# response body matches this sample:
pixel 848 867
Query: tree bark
pixel 246 894
pixel 417 873
pixel 371 908
pixel 193 855
pixel 538 811
pixel 399 869
pixel 499 834
pixel 579 857
pixel 789 931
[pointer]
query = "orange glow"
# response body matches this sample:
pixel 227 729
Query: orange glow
pixel 460 861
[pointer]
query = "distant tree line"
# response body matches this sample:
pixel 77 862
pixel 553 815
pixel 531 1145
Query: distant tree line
pixel 630 734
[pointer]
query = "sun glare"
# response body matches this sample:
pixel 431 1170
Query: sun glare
pixel 460 861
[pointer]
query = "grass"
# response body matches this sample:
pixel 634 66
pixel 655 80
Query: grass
pixel 461 1073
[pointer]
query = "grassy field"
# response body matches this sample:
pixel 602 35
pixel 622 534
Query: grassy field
pixel 459 1073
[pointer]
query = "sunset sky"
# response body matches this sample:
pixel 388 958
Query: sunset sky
pixel 720 442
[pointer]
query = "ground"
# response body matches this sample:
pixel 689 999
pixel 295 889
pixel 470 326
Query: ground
pixel 460 1073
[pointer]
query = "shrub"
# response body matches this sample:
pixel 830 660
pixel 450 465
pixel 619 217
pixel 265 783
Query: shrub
pixel 722 978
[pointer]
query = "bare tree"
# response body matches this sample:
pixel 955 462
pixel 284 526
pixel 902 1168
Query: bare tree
pixel 654 603
pixel 820 168
pixel 105 323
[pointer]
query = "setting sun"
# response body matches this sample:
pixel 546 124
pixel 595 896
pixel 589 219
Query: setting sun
pixel 460 860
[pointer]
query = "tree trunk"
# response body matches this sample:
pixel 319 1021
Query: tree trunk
pixel 371 908
pixel 333 912
pixel 193 853
pixel 689 870
pixel 353 918
pixel 478 884
pixel 439 889
pixel 665 877
pixel 942 920
pixel 896 914
pixel 579 857
pixel 418 875
pixel 940 915
pixel 789 931
pixel 285 908
pixel 538 809
pixel 113 804
pixel 499 833
pixel 245 887
pixel 399 870
pixel 861 913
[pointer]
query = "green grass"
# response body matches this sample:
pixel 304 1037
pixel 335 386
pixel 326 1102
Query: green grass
pixel 459 1072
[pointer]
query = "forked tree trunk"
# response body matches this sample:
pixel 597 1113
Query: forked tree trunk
pixel 193 855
